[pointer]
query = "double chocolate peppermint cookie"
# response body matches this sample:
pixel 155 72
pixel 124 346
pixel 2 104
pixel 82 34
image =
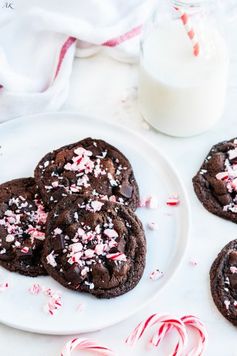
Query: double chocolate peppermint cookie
pixel 223 277
pixel 87 168
pixel 94 246
pixel 216 182
pixel 22 227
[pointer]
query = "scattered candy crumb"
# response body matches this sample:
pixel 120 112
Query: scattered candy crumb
pixel 150 202
pixel 4 286
pixel 193 262
pixel 35 289
pixel 54 302
pixel 173 200
pixel 152 225
pixel 156 274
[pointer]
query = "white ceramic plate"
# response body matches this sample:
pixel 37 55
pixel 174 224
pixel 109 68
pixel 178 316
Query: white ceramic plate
pixel 23 142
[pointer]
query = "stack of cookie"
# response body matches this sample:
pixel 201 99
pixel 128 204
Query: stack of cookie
pixel 75 220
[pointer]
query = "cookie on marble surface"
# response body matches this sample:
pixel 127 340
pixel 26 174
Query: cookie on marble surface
pixel 22 227
pixel 223 276
pixel 215 183
pixel 97 247
pixel 89 167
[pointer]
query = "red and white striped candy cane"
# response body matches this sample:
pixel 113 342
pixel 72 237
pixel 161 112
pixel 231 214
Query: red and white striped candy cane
pixel 194 322
pixel 166 323
pixel 166 326
pixel 86 345
pixel 189 29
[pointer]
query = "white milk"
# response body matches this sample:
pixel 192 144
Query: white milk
pixel 180 94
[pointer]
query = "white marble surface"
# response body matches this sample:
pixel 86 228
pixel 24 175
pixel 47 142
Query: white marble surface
pixel 104 88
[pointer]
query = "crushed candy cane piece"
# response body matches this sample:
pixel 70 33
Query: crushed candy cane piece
pixel 111 233
pixel 152 202
pixel 117 256
pixel 227 304
pixel 156 274
pixel 222 175
pixel 35 289
pixel 193 262
pixel 152 225
pixel 25 249
pixel 54 303
pixel 86 345
pixel 173 201
pixel 4 286
pixel 233 269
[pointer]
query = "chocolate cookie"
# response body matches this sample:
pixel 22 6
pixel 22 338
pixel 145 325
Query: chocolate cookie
pixel 223 275
pixel 216 182
pixel 88 168
pixel 93 246
pixel 22 227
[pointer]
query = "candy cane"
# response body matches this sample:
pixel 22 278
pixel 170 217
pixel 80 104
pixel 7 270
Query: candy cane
pixel 165 327
pixel 87 345
pixel 194 322
pixel 167 322
pixel 189 29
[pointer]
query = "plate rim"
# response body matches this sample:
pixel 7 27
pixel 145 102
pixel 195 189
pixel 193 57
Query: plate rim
pixel 185 202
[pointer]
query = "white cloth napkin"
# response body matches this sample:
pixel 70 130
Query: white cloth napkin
pixel 39 39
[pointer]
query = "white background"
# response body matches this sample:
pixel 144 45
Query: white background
pixel 104 88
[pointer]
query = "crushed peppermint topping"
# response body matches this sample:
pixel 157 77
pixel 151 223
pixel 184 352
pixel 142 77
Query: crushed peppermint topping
pixel 233 269
pixel 193 262
pixel 24 221
pixel 111 233
pixel 118 256
pixel 57 231
pixel 96 205
pixel 232 153
pixel 25 249
pixel 51 259
pixel 227 304
pixel 222 175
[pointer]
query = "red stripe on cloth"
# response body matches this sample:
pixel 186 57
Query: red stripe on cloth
pixel 67 44
pixel 126 36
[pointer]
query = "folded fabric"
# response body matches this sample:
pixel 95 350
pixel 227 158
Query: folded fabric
pixel 38 43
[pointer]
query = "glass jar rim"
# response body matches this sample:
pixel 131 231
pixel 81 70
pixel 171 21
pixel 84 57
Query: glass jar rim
pixel 189 3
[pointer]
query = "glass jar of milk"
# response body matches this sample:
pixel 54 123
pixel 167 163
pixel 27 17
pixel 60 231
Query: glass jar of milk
pixel 179 93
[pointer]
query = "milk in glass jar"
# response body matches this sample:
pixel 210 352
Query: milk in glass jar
pixel 183 69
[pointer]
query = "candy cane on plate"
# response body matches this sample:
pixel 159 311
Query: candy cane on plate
pixel 194 322
pixel 86 345
pixel 166 323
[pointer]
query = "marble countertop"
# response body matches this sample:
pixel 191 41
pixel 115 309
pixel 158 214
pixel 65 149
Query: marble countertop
pixel 106 89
